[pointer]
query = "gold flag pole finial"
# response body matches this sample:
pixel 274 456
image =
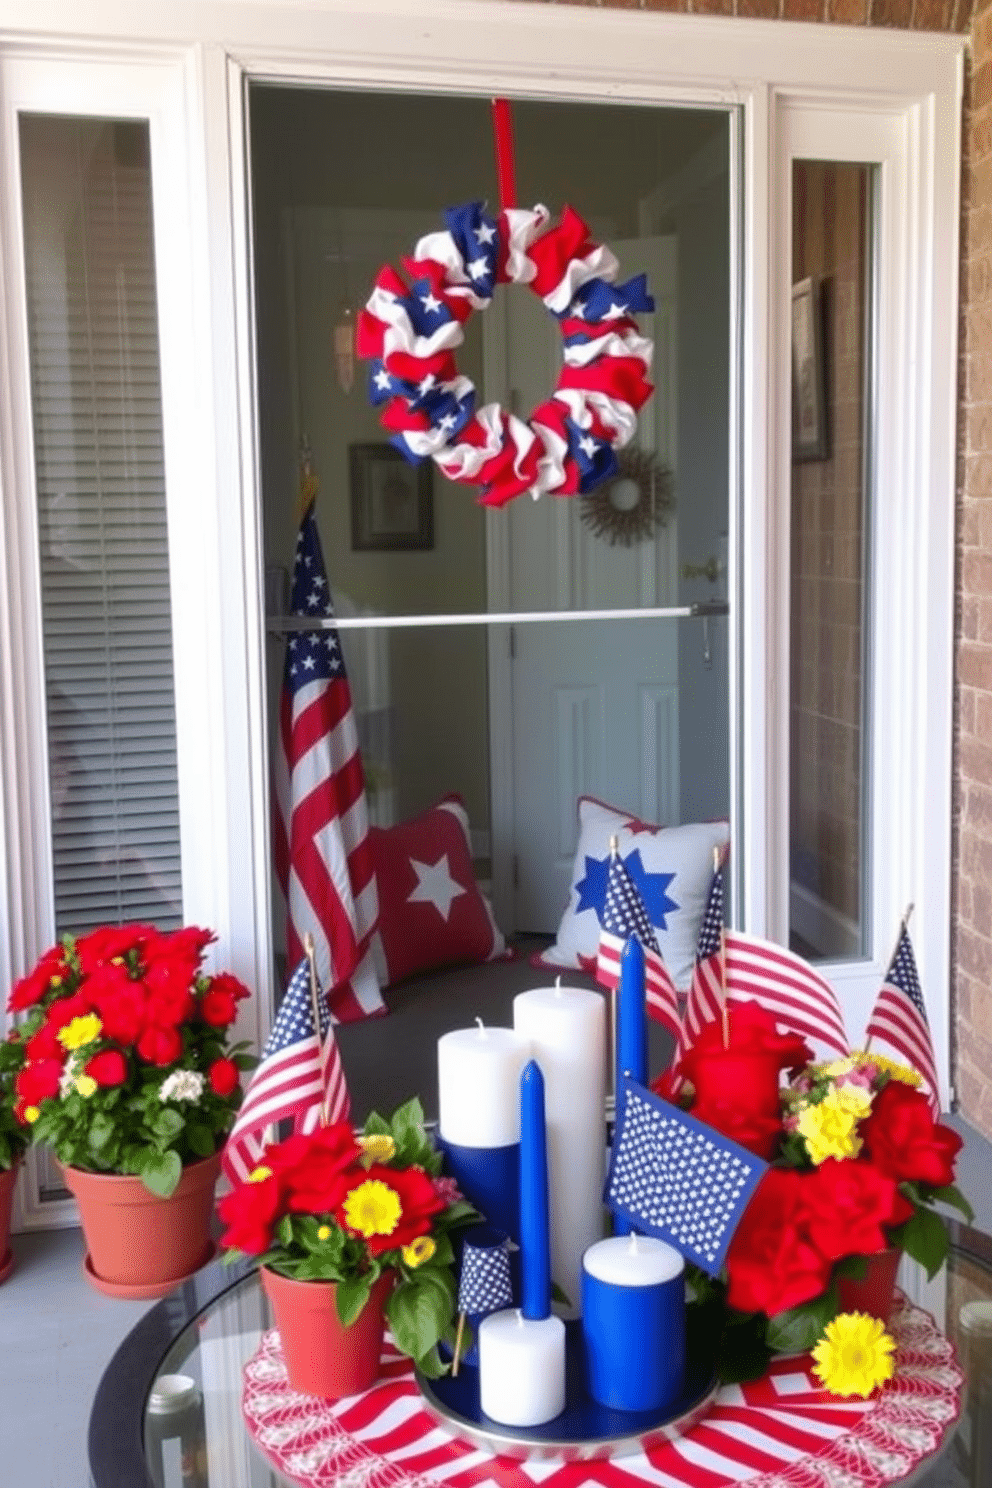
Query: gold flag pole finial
pixel 309 484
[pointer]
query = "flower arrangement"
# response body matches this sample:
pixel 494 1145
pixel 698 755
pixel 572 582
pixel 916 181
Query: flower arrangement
pixel 346 1206
pixel 858 1163
pixel 126 1067
pixel 14 1135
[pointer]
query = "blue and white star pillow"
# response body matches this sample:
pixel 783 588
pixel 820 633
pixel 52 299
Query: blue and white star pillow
pixel 678 1179
pixel 671 868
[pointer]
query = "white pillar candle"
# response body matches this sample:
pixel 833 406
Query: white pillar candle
pixel 633 1261
pixel 566 1028
pixel 521 1368
pixel 478 1085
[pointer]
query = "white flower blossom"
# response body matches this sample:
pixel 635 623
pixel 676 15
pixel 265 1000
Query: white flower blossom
pixel 181 1085
pixel 67 1079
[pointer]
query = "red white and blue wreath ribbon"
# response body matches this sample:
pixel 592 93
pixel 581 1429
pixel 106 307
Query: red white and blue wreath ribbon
pixel 411 326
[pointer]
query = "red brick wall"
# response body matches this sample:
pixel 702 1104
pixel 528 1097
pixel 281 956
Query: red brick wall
pixel 971 955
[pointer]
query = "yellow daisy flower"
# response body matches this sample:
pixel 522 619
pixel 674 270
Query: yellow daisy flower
pixel 373 1208
pixel 854 1356
pixel 324 1232
pixel 31 1114
pixel 80 1031
pixel 378 1148
pixel 829 1130
pixel 418 1251
pixel 86 1085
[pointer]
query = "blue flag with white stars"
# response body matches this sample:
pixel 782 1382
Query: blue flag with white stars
pixel 678 1179
pixel 311 655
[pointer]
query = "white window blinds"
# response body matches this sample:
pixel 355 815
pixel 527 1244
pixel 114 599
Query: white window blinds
pixel 96 408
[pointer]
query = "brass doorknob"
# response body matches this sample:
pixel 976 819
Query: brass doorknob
pixel 708 570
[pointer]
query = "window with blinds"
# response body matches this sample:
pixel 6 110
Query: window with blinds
pixel 96 406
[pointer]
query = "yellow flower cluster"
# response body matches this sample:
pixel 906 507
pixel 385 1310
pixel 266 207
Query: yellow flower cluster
pixel 80 1031
pixel 858 1058
pixel 854 1356
pixel 378 1148
pixel 830 1128
pixel 373 1208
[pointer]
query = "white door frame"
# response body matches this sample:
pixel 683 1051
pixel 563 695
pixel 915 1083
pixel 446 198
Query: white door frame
pixel 766 73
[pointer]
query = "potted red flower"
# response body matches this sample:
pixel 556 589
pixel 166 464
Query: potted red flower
pixel 129 1078
pixel 858 1165
pixel 352 1228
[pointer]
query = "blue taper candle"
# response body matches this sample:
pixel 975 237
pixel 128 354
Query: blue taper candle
pixel 632 1018
pixel 535 1240
pixel 632 1032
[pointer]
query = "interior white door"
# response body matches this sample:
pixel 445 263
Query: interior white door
pixel 593 703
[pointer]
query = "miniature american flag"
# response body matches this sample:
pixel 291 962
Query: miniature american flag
pixel 484 1283
pixel 786 986
pixel 899 1017
pixel 624 916
pixel 676 1178
pixel 300 1075
pixel 705 1001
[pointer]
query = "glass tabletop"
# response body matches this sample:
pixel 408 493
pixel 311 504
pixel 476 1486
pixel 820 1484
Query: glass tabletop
pixel 168 1411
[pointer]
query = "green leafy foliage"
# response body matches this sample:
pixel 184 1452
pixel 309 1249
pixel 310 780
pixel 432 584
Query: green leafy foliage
pixel 798 1328
pixel 925 1238
pixel 14 1135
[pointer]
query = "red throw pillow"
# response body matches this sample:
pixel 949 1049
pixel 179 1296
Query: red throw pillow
pixel 431 910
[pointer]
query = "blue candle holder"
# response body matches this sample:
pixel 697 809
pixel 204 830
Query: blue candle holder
pixel 634 1334
pixel 489 1177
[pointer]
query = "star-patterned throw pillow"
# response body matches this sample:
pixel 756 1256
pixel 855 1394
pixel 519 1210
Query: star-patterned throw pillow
pixel 671 867
pixel 432 912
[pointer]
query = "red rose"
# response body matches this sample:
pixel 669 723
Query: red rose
pixel 318 1170
pixel 39 1080
pixel 160 1046
pixel 107 1068
pixel 225 982
pixel 45 1045
pixel 186 945
pixel 64 1009
pixel 849 1204
pixel 737 1087
pixel 902 1139
pixel 170 1009
pixel 772 1263
pixel 110 943
pixel 249 1212
pixel 418 1204
pixel 32 988
pixel 218 1008
pixel 123 1012
pixel 223 1077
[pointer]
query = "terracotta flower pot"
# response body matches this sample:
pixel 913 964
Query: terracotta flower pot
pixel 322 1356
pixel 8 1182
pixel 874 1294
pixel 140 1245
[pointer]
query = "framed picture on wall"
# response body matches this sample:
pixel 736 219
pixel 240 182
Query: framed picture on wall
pixel 810 436
pixel 392 501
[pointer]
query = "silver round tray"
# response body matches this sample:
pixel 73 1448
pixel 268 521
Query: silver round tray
pixel 585 1430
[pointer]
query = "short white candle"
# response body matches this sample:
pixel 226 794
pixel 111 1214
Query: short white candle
pixel 478 1084
pixel 633 1260
pixel 521 1368
pixel 566 1027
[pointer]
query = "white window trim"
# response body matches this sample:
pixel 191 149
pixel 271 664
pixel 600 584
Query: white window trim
pixel 765 69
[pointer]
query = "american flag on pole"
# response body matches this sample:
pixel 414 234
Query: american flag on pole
pixel 899 1017
pixel 299 1075
pixel 786 986
pixel 321 830
pixel 705 1001
pixel 624 916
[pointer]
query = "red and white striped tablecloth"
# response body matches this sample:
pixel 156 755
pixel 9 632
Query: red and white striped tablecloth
pixel 781 1432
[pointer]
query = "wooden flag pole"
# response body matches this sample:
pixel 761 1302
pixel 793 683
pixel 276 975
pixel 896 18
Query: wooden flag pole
pixel 724 1015
pixel 611 1053
pixel 458 1343
pixel 903 923
pixel 308 946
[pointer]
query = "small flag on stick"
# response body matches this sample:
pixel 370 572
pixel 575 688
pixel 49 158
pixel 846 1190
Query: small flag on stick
pixel 675 1178
pixel 299 1077
pixel 899 1017
pixel 484 1284
pixel 624 915
pixel 707 990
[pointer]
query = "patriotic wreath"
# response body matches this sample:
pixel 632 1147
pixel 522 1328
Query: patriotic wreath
pixel 410 327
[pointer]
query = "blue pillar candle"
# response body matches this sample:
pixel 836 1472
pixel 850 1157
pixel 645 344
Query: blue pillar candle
pixel 633 1322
